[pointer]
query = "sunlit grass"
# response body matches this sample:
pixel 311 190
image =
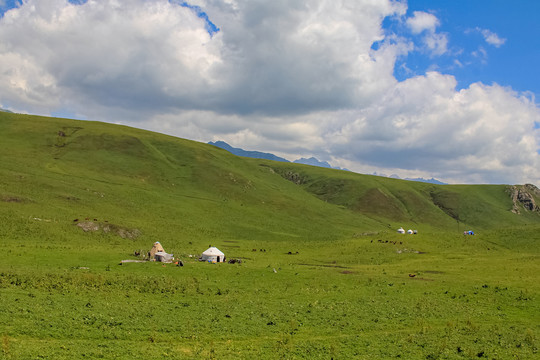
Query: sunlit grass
pixel 323 273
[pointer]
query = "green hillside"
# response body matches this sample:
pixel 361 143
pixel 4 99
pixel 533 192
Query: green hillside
pixel 67 169
pixel 323 273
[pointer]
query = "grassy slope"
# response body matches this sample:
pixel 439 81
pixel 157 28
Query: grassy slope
pixel 346 294
pixel 131 175
pixel 109 171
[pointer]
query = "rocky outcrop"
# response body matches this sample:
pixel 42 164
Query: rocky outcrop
pixel 109 228
pixel 294 177
pixel 524 197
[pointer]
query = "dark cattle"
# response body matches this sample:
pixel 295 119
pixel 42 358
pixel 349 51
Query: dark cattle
pixel 61 133
pixel 75 220
pixel 412 275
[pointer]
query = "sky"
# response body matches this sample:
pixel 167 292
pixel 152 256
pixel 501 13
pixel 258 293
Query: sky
pixel 419 88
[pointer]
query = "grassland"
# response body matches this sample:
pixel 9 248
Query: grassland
pixel 324 275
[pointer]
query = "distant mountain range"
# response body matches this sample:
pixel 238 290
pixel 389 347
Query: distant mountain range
pixel 430 181
pixel 245 153
pixel 4 110
pixel 262 155
pixel 311 161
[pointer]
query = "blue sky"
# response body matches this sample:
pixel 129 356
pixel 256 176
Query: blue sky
pixel 514 63
pixel 210 26
pixel 446 89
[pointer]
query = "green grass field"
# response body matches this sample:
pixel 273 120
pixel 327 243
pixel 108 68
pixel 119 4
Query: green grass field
pixel 324 273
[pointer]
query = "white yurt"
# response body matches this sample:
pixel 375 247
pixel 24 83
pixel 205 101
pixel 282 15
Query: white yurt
pixel 410 232
pixel 213 254
pixel 401 230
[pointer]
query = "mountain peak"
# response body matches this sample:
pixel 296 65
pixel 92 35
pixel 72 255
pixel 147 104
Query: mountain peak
pixel 313 161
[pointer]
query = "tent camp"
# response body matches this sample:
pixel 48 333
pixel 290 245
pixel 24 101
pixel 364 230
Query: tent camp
pixel 155 249
pixel 401 230
pixel 213 254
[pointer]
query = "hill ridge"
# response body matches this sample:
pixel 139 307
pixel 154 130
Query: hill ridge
pixel 141 177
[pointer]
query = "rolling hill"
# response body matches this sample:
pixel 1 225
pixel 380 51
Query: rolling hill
pixel 68 169
pixel 323 273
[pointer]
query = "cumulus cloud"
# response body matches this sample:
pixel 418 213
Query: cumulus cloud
pixel 292 77
pixel 105 54
pixel 491 38
pixel 425 23
pixel 422 21
pixel 436 43
pixel 487 131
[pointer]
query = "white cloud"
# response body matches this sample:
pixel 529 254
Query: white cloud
pixel 292 77
pixel 491 38
pixel 426 23
pixel 481 54
pixel 458 63
pixel 436 43
pixel 482 133
pixel 422 21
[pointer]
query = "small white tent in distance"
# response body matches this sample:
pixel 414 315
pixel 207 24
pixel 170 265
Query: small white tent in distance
pixel 213 254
